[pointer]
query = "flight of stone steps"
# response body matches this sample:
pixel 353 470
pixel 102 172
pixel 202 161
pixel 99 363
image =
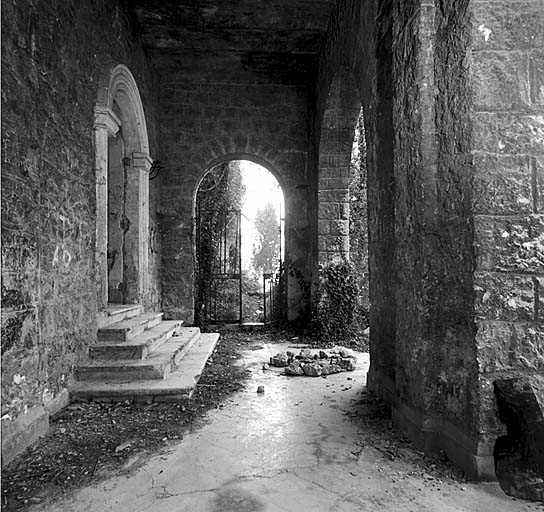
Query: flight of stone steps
pixel 141 357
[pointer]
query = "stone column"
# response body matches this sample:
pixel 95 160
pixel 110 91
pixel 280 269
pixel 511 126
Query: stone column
pixel 106 123
pixel 141 163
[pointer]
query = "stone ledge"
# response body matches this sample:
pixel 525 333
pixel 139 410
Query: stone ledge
pixel 19 434
pixel 116 313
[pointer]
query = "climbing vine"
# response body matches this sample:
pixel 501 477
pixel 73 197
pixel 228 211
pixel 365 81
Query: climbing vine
pixel 220 193
pixel 337 303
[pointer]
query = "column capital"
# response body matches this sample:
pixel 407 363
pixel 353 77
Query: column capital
pixel 105 118
pixel 142 161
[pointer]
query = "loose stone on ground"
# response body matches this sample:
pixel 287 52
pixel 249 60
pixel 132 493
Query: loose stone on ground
pixel 315 364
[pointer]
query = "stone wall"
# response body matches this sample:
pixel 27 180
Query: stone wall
pixel 436 374
pixel 454 177
pixel 508 146
pixel 53 56
pixel 214 115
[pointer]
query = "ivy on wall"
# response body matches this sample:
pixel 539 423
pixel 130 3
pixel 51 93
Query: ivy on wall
pixel 341 306
pixel 337 303
pixel 220 192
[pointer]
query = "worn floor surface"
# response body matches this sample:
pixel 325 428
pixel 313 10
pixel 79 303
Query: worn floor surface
pixel 303 445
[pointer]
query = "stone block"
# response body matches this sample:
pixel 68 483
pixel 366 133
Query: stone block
pixel 343 172
pixel 330 244
pixel 501 80
pixel 504 297
pixel 21 432
pixel 312 369
pixel 326 173
pixel 280 360
pixel 340 160
pixel 507 25
pixel 339 227
pixel 536 70
pixel 294 369
pixel 346 363
pixel 502 184
pixel 329 211
pixel 510 243
pixel 507 346
pixel 340 184
pixel 330 368
pixel 517 133
pixel 323 227
pixel 331 196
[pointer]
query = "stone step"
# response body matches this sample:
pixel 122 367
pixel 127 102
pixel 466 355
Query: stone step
pixel 117 313
pixel 140 346
pixel 157 365
pixel 180 383
pixel 129 328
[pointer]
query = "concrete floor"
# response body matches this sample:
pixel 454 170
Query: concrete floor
pixel 292 448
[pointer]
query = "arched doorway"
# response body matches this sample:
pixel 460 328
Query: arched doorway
pixel 342 230
pixel 122 191
pixel 239 245
pixel 117 220
pixel 343 116
pixel 335 149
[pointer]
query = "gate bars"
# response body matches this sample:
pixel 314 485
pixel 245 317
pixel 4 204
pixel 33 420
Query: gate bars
pixel 219 265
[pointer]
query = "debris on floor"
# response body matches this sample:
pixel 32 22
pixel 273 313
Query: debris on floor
pixel 91 442
pixel 315 364
pixel 88 442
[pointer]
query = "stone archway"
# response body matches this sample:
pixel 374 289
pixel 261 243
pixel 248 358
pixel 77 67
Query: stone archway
pixel 348 96
pixel 224 162
pixel 122 190
pixel 337 131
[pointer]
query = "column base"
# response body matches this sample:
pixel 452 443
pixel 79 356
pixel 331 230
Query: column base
pixel 433 434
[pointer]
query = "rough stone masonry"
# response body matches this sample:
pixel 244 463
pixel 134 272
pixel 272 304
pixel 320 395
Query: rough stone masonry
pixel 452 95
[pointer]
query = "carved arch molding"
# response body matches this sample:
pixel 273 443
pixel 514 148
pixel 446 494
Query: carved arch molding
pixel 119 115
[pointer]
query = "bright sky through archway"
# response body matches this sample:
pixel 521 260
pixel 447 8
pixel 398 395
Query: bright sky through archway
pixel 261 187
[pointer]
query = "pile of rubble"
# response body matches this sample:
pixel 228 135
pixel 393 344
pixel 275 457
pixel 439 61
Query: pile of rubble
pixel 322 363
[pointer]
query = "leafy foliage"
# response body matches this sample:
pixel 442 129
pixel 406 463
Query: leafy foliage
pixel 266 252
pixel 219 196
pixel 358 227
pixel 336 303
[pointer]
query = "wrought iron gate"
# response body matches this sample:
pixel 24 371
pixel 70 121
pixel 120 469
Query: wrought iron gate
pixel 219 266
pixel 274 296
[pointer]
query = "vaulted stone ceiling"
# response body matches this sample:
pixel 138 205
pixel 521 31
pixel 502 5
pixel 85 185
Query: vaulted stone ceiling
pixel 278 38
